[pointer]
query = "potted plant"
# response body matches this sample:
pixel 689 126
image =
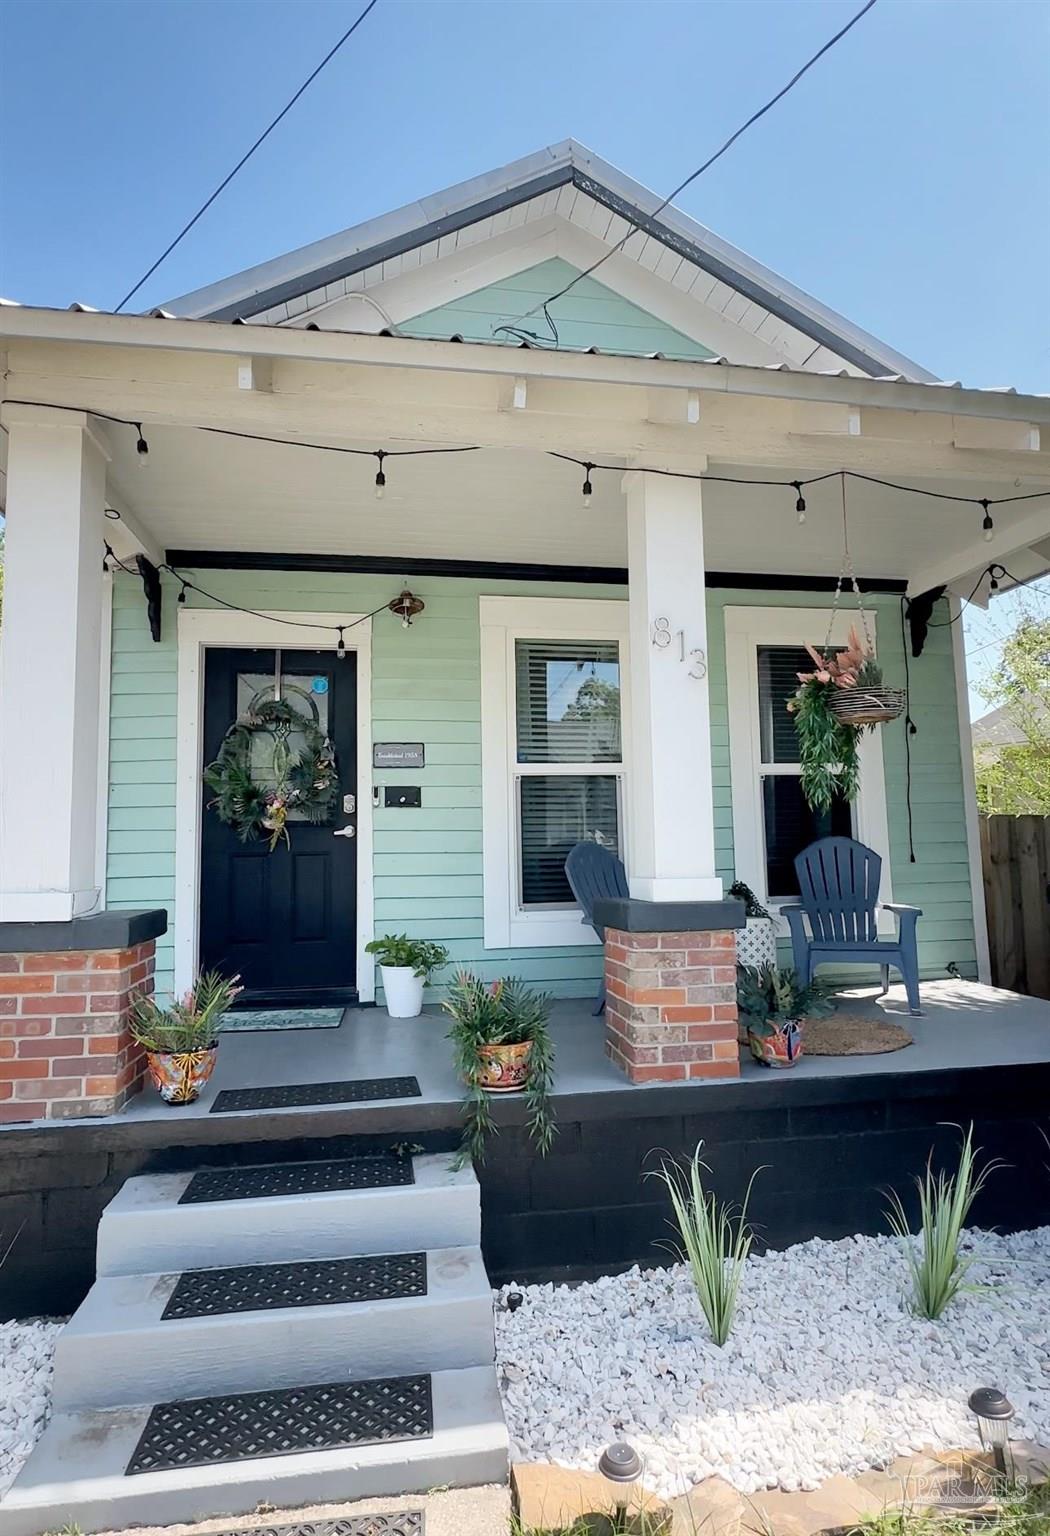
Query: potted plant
pixel 774 1006
pixel 756 944
pixel 502 1045
pixel 181 1041
pixel 406 966
pixel 833 704
pixel 860 696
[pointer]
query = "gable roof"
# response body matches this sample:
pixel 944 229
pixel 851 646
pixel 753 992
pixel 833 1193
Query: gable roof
pixel 567 179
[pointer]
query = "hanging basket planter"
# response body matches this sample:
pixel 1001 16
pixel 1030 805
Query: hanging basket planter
pixel 866 706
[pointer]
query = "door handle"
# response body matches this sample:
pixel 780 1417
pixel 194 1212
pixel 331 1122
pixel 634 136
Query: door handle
pixel 345 832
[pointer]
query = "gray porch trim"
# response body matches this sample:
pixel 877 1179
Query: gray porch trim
pixel 98 930
pixel 632 916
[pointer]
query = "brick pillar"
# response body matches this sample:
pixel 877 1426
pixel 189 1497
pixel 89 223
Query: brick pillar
pixel 65 1047
pixel 671 1004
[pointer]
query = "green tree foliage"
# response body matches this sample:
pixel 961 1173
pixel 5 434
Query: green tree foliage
pixel 1013 779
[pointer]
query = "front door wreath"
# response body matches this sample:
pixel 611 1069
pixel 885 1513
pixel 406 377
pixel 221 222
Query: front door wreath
pixel 255 790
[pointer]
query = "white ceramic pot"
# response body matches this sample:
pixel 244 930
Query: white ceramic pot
pixel 756 945
pixel 403 990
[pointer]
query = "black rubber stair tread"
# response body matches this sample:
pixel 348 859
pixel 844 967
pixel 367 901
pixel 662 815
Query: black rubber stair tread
pixel 240 1426
pixel 308 1283
pixel 356 1090
pixel 382 1171
pixel 407 1522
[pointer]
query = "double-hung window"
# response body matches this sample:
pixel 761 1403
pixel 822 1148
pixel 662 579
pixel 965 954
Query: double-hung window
pixel 553 673
pixel 772 823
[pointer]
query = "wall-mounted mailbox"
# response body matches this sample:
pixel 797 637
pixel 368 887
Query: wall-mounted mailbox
pixel 402 796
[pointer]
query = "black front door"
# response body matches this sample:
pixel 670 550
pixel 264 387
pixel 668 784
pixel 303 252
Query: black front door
pixel 285 921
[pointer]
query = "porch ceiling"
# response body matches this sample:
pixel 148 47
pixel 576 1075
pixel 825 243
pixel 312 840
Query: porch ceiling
pixel 210 492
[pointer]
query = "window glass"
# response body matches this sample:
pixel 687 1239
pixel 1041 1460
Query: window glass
pixel 778 669
pixel 791 825
pixel 555 812
pixel 299 693
pixel 568 701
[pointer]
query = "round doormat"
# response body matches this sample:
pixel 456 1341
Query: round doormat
pixel 853 1034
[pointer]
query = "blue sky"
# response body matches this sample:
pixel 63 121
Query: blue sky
pixel 904 182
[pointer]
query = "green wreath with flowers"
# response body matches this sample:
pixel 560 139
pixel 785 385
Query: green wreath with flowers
pixel 301 777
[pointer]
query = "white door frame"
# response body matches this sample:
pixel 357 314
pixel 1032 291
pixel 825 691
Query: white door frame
pixel 199 628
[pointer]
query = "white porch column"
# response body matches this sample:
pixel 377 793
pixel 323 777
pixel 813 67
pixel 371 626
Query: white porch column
pixel 49 666
pixel 672 806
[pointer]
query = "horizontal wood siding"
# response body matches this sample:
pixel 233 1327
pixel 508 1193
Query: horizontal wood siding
pixel 426 686
pixel 590 316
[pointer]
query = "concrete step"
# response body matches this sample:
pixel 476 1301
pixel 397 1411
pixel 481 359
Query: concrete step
pixel 77 1473
pixel 118 1348
pixel 148 1228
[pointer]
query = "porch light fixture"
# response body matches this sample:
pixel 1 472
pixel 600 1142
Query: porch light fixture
pixel 406 605
pixel 141 447
pixel 621 1467
pixel 987 525
pixel 588 488
pixel 993 1412
pixel 800 504
pixel 380 476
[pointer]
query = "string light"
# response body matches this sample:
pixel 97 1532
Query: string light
pixel 588 488
pixel 987 524
pixel 141 447
pixel 800 504
pixel 340 649
pixel 181 599
pixel 380 476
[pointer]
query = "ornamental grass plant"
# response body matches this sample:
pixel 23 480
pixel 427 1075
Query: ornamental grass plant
pixel 191 1023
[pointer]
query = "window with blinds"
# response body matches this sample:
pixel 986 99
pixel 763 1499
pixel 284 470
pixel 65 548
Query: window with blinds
pixel 789 824
pixel 568 756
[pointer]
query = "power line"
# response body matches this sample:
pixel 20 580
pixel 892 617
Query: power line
pixel 246 157
pixel 698 172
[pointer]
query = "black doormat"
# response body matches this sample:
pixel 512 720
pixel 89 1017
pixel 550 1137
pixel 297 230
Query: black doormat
pixel 408 1522
pixel 360 1090
pixel 382 1171
pixel 200 1431
pixel 313 1283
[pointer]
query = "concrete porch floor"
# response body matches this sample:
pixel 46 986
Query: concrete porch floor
pixel 964 1025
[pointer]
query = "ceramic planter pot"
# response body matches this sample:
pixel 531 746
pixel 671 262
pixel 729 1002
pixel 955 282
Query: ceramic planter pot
pixel 756 945
pixel 504 1068
pixel 179 1076
pixel 403 991
pixel 781 1048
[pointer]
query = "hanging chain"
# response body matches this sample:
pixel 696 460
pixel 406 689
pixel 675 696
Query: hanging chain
pixel 847 570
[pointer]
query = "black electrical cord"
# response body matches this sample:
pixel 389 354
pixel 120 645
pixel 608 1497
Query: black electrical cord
pixel 544 306
pixel 246 157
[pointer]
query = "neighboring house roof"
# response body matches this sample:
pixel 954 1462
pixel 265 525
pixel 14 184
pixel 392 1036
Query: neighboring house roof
pixel 567 182
pixel 999 727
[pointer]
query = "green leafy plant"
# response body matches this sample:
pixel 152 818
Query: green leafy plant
pixel 503 1013
pixel 937 1269
pixel 769 997
pixel 715 1240
pixel 399 949
pixel 752 906
pixel 191 1023
pixel 828 750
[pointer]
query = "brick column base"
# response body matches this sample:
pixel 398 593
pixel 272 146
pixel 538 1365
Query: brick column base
pixel 670 1012
pixel 65 1047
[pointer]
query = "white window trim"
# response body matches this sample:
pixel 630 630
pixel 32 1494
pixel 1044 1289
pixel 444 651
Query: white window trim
pixel 197 629
pixel 503 621
pixel 746 630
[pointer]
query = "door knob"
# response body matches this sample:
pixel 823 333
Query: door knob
pixel 345 832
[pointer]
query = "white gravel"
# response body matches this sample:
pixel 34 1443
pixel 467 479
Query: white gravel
pixel 826 1370
pixel 25 1391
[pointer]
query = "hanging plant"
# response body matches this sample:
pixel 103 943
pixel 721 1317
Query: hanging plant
pixel 827 750
pixel 299 778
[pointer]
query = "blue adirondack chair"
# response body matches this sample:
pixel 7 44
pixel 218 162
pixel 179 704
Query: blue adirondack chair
pixel 839 880
pixel 593 873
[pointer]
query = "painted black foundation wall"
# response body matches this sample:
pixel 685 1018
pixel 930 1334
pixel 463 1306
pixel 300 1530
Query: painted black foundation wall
pixel 828 1150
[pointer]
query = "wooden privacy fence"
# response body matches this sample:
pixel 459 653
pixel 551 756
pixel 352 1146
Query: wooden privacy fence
pixel 1015 857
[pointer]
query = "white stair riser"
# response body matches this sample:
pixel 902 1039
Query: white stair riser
pixel 75 1475
pixel 403 1219
pixel 256 1351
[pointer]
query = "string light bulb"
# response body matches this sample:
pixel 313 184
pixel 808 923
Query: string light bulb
pixel 340 649
pixel 800 504
pixel 380 476
pixel 141 447
pixel 987 525
pixel 588 488
pixel 182 593
pixel 993 572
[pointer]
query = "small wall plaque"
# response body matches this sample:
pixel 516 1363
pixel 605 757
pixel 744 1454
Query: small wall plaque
pixel 398 754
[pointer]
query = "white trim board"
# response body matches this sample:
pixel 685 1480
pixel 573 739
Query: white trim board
pixel 969 787
pixel 504 620
pixel 746 629
pixel 197 629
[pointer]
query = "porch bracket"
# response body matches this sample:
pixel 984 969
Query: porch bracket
pixel 154 594
pixel 918 611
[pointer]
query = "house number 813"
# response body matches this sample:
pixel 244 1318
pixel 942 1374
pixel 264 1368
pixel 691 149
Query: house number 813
pixel 663 638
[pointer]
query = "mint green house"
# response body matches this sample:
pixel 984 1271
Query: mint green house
pixel 585 484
